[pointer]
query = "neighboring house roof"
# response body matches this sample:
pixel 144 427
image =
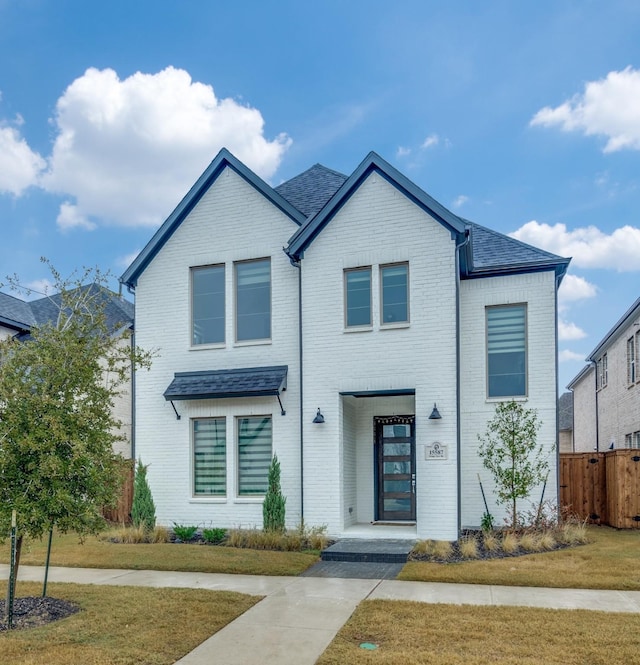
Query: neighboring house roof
pixel 119 312
pixel 310 191
pixel 622 324
pixel 565 411
pixel 579 376
pixel 224 159
pixel 312 198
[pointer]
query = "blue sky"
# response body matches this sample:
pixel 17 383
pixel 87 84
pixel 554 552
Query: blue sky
pixel 524 117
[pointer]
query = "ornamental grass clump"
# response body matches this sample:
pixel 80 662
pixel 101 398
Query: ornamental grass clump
pixel 509 542
pixel 468 547
pixel 530 542
pixel 442 550
pixel 490 542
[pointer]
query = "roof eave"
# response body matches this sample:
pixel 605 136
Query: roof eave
pixel 624 320
pixel 559 267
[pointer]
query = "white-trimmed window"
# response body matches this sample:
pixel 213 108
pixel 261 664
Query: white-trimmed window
pixel 207 305
pixel 357 297
pixel 253 300
pixel 506 350
pixel 394 293
pixel 632 440
pixel 636 439
pixel 602 372
pixel 254 454
pixel 209 457
pixel 631 360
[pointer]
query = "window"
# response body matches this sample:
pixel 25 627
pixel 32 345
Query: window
pixel 209 457
pixel 602 374
pixel 631 360
pixel 636 439
pixel 357 286
pixel 632 440
pixel 254 455
pixel 394 289
pixel 253 300
pixel 506 351
pixel 207 305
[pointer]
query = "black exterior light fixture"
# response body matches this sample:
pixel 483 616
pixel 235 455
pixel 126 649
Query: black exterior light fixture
pixel 435 414
pixel 319 417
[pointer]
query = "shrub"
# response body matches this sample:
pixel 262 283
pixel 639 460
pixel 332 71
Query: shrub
pixel 213 536
pixel 509 542
pixel 273 507
pixel 491 542
pixel 468 547
pixel 184 533
pixel 143 510
pixel 159 535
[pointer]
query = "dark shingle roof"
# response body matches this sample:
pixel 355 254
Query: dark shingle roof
pixel 15 312
pixel 244 382
pixel 309 191
pixel 118 311
pixel 565 411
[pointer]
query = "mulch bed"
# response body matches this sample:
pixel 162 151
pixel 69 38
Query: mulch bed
pixel 34 611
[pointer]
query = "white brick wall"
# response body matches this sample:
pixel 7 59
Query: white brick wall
pixel 231 222
pixel 537 290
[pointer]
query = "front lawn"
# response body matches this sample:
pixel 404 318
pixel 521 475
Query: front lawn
pixel 96 553
pixel 124 625
pixel 611 560
pixel 407 632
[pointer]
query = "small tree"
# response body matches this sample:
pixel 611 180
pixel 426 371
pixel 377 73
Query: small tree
pixel 143 510
pixel 57 428
pixel 273 508
pixel 509 450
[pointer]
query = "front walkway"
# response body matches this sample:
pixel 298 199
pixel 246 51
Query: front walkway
pixel 299 616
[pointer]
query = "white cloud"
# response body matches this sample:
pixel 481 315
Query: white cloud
pixel 459 201
pixel 575 288
pixel 39 288
pixel 567 356
pixel 70 217
pixel 125 261
pixel 589 247
pixel 568 331
pixel 128 150
pixel 402 152
pixel 19 165
pixel 609 107
pixel 431 141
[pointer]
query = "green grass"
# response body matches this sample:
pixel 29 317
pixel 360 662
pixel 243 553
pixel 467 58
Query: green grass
pixel 96 553
pixel 611 560
pixel 123 625
pixel 415 633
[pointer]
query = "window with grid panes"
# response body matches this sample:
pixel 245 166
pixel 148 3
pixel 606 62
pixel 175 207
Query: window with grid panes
pixel 209 457
pixel 254 454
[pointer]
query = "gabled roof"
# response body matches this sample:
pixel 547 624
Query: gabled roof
pixel 224 159
pixel 307 233
pixel 579 376
pixel 618 329
pixel 309 191
pixel 15 313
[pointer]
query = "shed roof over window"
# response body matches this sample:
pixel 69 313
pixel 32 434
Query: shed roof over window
pixel 222 383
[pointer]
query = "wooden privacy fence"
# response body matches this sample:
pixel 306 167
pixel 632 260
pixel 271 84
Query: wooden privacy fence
pixel 603 488
pixel 121 513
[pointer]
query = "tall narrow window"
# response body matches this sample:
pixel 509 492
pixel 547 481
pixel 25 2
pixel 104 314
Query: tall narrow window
pixel 394 286
pixel 357 287
pixel 253 300
pixel 254 455
pixel 207 305
pixel 631 360
pixel 209 457
pixel 506 351
pixel 602 375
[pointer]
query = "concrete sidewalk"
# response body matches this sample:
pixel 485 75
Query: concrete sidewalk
pixel 299 616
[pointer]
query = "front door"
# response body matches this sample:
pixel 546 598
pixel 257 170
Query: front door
pixel 395 468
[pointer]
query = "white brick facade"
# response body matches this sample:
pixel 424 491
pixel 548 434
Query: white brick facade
pixel 403 369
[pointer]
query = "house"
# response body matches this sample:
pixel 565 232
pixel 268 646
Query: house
pixel 18 317
pixel 606 392
pixel 353 326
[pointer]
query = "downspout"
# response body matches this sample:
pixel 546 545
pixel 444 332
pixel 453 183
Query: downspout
pixel 467 238
pixel 595 388
pixel 557 280
pixel 133 395
pixel 298 264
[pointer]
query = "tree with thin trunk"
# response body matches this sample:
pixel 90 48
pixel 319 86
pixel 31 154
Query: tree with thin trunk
pixel 143 509
pixel 273 508
pixel 57 428
pixel 510 451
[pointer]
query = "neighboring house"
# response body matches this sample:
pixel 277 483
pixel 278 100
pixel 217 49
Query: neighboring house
pixel 18 317
pixel 606 393
pixel 565 423
pixel 368 354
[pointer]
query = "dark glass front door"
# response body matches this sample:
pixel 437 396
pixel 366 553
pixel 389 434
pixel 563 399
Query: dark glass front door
pixel 396 468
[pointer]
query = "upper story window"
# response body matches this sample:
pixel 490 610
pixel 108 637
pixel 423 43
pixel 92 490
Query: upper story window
pixel 207 305
pixel 357 288
pixel 631 359
pixel 507 351
pixel 253 300
pixel 602 372
pixel 394 289
pixel 209 457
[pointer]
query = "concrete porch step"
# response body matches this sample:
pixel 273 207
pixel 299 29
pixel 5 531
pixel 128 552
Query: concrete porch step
pixel 369 551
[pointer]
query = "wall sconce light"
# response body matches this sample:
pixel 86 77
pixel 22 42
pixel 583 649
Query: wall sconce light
pixel 435 414
pixel 319 417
